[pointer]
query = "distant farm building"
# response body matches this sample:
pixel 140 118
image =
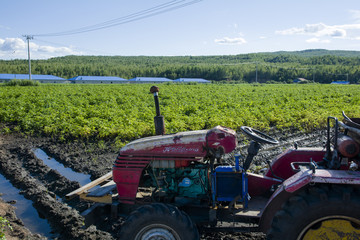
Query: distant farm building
pixel 149 80
pixel 5 77
pixel 340 82
pixel 97 80
pixel 300 80
pixel 188 80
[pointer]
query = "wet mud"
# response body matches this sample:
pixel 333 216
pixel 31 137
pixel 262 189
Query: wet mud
pixel 46 187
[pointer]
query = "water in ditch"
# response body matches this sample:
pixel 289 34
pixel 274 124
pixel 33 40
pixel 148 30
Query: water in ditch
pixel 82 178
pixel 24 209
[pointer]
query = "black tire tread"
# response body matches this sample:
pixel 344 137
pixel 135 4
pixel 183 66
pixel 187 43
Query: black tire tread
pixel 314 200
pixel 149 212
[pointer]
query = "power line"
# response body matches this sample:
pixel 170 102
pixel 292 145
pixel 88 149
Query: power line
pixel 153 11
pixel 73 48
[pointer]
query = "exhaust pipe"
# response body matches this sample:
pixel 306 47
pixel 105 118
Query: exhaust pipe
pixel 158 119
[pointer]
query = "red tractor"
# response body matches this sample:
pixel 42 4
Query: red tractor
pixel 168 186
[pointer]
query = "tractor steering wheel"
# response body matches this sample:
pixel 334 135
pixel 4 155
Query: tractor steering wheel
pixel 258 136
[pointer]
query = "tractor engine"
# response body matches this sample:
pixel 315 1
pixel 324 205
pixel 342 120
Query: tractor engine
pixel 175 165
pixel 343 147
pixel 182 184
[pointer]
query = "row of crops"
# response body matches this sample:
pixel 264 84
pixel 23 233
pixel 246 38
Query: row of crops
pixel 125 112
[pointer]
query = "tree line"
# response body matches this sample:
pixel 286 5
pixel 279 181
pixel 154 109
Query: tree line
pixel 321 66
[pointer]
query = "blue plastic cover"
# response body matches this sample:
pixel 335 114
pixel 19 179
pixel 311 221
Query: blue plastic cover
pixel 199 80
pixel 7 76
pixel 150 79
pixel 96 78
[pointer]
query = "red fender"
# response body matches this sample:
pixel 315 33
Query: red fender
pixel 300 181
pixel 281 165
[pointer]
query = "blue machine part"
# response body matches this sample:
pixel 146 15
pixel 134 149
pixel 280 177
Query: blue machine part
pixel 230 182
pixel 237 164
pixel 186 182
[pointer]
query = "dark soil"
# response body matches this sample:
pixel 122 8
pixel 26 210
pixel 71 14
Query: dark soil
pixel 43 185
pixel 14 229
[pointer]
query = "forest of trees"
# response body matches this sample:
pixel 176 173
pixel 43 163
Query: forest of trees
pixel 321 66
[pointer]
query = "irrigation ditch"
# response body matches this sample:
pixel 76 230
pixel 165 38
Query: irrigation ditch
pixel 36 173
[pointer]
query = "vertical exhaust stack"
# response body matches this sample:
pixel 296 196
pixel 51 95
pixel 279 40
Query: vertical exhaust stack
pixel 158 119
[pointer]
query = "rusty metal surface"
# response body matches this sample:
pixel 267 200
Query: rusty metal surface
pixel 192 143
pixel 183 143
pixel 336 176
pixel 321 176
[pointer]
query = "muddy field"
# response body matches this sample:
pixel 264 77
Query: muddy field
pixel 46 187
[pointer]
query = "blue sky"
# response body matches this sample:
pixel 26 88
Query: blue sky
pixel 203 27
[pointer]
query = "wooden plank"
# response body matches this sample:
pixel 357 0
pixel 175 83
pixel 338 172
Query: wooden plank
pixel 88 186
pixel 102 199
pixel 103 190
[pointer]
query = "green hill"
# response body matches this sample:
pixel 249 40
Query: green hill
pixel 321 65
pixel 319 52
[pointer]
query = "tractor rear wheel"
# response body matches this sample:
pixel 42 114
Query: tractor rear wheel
pixel 325 212
pixel 158 222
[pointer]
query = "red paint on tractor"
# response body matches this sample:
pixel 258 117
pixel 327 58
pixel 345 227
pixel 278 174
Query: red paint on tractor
pixel 259 185
pixel 336 176
pixel 306 177
pixel 281 166
pixel 297 181
pixel 221 138
pixel 182 148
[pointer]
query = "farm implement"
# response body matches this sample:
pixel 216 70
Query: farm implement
pixel 169 186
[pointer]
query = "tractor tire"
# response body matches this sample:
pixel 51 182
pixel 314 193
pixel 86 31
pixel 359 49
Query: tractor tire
pixel 158 221
pixel 324 212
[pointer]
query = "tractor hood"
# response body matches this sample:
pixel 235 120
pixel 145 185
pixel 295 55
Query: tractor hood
pixel 182 144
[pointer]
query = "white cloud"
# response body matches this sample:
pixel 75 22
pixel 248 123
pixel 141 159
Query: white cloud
pixel 12 48
pixel 317 40
pixel 321 30
pixel 230 41
pixel 12 44
pixel 60 50
pixel 355 15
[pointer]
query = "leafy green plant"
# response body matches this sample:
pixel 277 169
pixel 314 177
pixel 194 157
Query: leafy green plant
pixel 122 113
pixel 21 82
pixel 4 224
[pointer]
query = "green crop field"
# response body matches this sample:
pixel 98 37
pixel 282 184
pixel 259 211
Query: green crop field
pixel 125 112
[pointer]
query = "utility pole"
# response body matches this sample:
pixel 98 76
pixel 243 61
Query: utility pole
pixel 28 38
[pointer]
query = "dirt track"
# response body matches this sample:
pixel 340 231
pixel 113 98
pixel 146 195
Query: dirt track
pixel 43 186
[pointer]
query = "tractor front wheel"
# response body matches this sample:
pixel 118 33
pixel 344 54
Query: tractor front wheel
pixel 325 212
pixel 158 222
